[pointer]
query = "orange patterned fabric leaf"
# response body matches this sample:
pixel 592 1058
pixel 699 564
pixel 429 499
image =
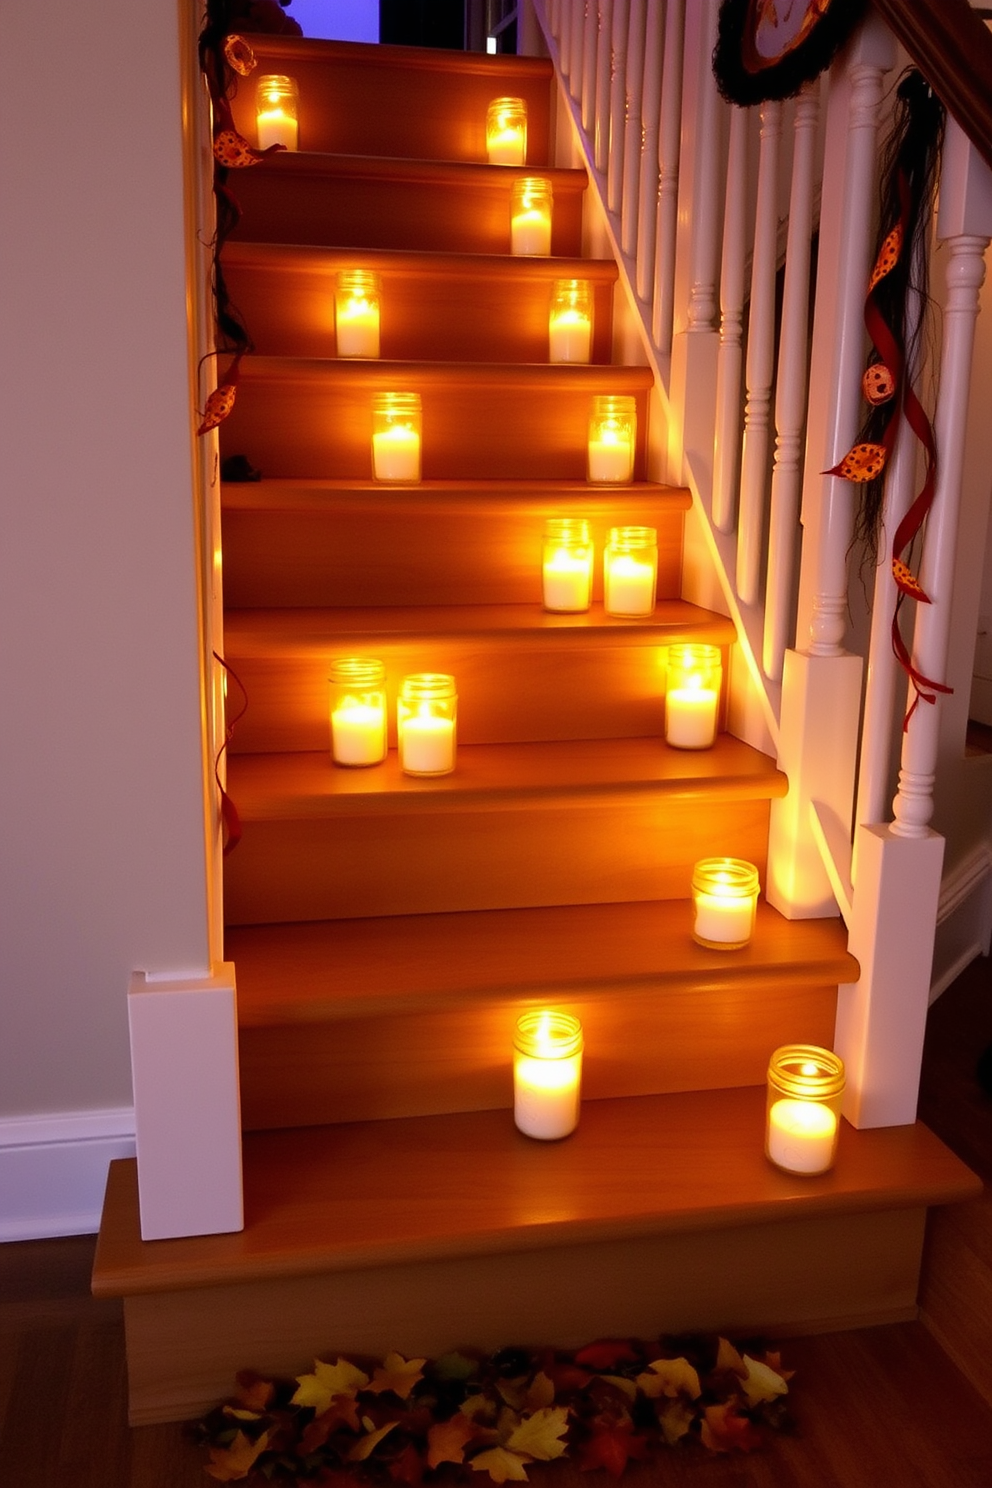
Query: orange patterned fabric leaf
pixel 878 384
pixel 218 406
pixel 907 581
pixel 234 151
pixel 888 256
pixel 861 463
pixel 239 54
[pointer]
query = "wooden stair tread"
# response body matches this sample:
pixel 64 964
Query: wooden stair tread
pixel 358 968
pixel 277 634
pixel 379 55
pixel 478 496
pixel 306 786
pixel 360 1195
pixel 398 169
pixel 301 258
pixel 384 376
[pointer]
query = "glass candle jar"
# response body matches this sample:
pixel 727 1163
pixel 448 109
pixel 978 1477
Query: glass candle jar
pixel 547 1074
pixel 612 437
pixel 356 313
pixel 530 217
pixel 567 565
pixel 805 1092
pixel 630 571
pixel 692 698
pixel 724 898
pixel 506 132
pixel 358 711
pixel 570 321
pixel 396 425
pixel 427 714
pixel 276 111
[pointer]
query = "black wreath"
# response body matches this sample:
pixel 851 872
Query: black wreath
pixel 745 78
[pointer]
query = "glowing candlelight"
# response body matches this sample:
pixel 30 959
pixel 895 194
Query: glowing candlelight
pixel 426 724
pixel 692 699
pixel 630 571
pixel 570 321
pixel 612 432
pixel 547 1075
pixel 276 112
pixel 356 313
pixel 530 217
pixel 567 565
pixel 506 132
pixel 396 422
pixel 805 1092
pixel 358 711
pixel 725 894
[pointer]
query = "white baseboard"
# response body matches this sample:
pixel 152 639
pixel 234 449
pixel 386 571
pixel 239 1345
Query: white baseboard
pixel 964 918
pixel 53 1170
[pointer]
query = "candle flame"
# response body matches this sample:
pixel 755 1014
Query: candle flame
pixel 809 1068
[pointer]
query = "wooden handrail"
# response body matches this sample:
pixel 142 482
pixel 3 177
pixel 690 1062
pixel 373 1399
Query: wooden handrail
pixel 952 47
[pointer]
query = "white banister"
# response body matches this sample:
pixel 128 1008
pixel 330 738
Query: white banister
pixel 587 85
pixel 649 187
pixel 727 433
pixel 604 83
pixel 614 147
pixel 635 130
pixel 669 169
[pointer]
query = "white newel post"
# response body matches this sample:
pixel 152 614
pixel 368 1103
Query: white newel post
pixel 821 683
pixel 882 1019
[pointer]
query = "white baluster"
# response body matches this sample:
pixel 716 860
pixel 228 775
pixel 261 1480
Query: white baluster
pixel 760 360
pixel 576 41
pixel 669 156
pixel 605 83
pixel 790 390
pixel 562 29
pixel 614 145
pixel 634 124
pixel 640 230
pixel 727 436
pixel 587 91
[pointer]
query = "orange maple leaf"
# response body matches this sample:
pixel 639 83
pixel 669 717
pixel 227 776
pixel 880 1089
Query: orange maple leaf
pixel 253 1392
pixel 228 1464
pixel 447 1440
pixel 342 1411
pixel 396 1374
pixel 612 1444
pixel 725 1430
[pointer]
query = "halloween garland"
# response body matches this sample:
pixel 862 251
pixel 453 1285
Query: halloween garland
pixel 908 188
pixel 767 49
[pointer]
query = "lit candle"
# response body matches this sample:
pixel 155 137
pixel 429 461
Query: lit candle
pixel 358 711
pixel 629 587
pixel 801 1136
pixel 567 565
pixel 612 430
pixel 570 321
pixel 396 437
pixel 427 711
pixel 276 110
pixel 547 1075
pixel 725 893
pixel 506 132
pixel 530 217
pixel 692 699
pixel 357 313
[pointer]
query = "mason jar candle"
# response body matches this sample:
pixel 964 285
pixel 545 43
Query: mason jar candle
pixel 396 426
pixel 724 899
pixel 805 1092
pixel 630 571
pixel 506 132
pixel 547 1074
pixel 358 711
pixel 530 217
pixel 426 716
pixel 612 437
pixel 692 696
pixel 567 565
pixel 570 321
pixel 356 313
pixel 276 111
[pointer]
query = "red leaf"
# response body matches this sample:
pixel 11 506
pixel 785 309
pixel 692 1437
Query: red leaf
pixel 407 1467
pixel 723 1430
pixel 606 1353
pixel 612 1444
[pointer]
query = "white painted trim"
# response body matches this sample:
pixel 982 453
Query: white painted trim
pixel 963 880
pixel 964 918
pixel 53 1170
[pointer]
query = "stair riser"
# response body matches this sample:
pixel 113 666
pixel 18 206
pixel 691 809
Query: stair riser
pixel 430 317
pixel 354 212
pixel 319 424
pixel 645 1041
pixel 366 552
pixel 385 106
pixel 431 861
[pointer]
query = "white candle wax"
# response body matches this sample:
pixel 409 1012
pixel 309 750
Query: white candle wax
pixel 546 1095
pixel 801 1136
pixel 610 459
pixel 507 147
pixel 275 127
pixel 427 745
pixel 629 586
pixel 358 329
pixel 570 335
pixel 725 919
pixel 530 233
pixel 396 454
pixel 690 717
pixel 567 582
pixel 358 734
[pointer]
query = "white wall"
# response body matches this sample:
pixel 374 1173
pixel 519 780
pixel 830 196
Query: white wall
pixel 102 858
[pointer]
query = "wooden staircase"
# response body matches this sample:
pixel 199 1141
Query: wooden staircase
pixel 387 930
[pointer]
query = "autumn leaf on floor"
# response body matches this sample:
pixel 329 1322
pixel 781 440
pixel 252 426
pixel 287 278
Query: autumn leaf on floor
pixel 669 1377
pixel 447 1440
pixel 727 1357
pixel 606 1353
pixel 342 1411
pixel 539 1435
pixel 761 1382
pixel 675 1418
pixel 228 1464
pixel 396 1374
pixel 724 1430
pixel 478 1408
pixel 407 1467
pixel 501 1465
pixel 253 1392
pixel 319 1389
pixel 241 1415
pixel 612 1444
pixel 527 1394
pixel 627 1387
pixel 368 1443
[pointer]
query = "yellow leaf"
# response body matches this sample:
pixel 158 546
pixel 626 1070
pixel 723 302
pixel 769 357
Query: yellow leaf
pixel 668 1377
pixel 538 1435
pixel 500 1465
pixel 761 1382
pixel 228 1464
pixel 540 1393
pixel 367 1445
pixel 242 1415
pixel 397 1374
pixel 675 1418
pixel 621 1382
pixel 513 1391
pixel 727 1357
pixel 476 1406
pixel 319 1389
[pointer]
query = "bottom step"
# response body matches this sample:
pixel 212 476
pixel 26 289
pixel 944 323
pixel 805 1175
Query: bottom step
pixel 659 1214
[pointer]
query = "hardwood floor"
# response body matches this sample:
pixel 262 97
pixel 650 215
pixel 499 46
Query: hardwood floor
pixel 874 1407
